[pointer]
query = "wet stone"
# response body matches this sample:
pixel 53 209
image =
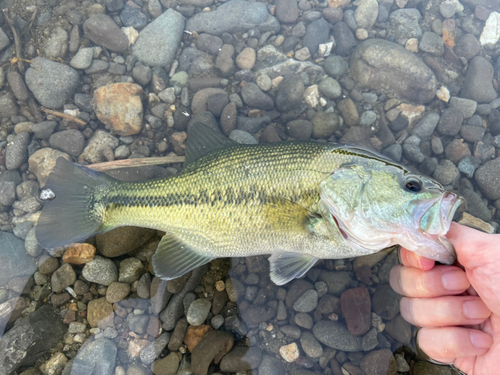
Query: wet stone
pixel 198 311
pixel 379 362
pixel 241 359
pixel 307 302
pixel 457 150
pixel 287 11
pixel 291 331
pixel 310 345
pixel 356 308
pixel 290 93
pixel 83 58
pixel 488 179
pixel 95 357
pixel 17 153
pixel 117 291
pixel 103 31
pixel 154 349
pixel 404 23
pixel 7 192
pixel 450 122
pixel 100 270
pixel 466 107
pixel 138 324
pixel 167 365
pixel 213 346
pixel 62 278
pixel 303 320
pixel 399 329
pixel 69 141
pixel 478 85
pixel 131 16
pixel 16 262
pixel 385 302
pixel 270 365
pixel 370 340
pixel 317 33
pixel 336 336
pixel 130 270
pixel 431 43
pixel 425 127
pixel 17 85
pixel 337 281
pixel 344 38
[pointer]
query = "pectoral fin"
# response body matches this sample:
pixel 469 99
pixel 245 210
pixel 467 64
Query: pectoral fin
pixel 289 266
pixel 174 258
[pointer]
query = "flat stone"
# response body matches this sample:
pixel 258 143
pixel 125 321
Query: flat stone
pixel 15 261
pixel 103 31
pixel 100 313
pixel 307 302
pixel 384 66
pixel 95 357
pixel 356 308
pixel 336 336
pixel 52 83
pixel 213 347
pixel 232 17
pixel 241 359
pixel 478 82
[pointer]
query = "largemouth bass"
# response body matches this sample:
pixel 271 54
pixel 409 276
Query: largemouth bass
pixel 298 201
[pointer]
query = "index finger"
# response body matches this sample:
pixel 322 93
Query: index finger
pixel 410 259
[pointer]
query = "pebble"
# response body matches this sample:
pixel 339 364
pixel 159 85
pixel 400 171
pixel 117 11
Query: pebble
pixel 366 13
pixel 246 59
pixel 154 349
pixel 100 270
pixel 167 365
pixel 317 32
pixel 467 46
pixel 431 43
pixel 17 85
pixel 100 355
pixel 117 291
pixel 336 336
pixel 138 324
pixel 17 152
pixel 303 320
pixel 348 110
pixel 64 277
pixel 198 311
pixel 466 107
pixel 491 31
pixel 344 38
pixel 287 11
pixel 478 82
pixel 130 271
pixel 290 352
pixel 446 173
pixel 103 31
pixel 214 345
pixel 325 124
pixel 488 178
pixel 57 44
pixel 379 362
pixel 270 365
pixel 100 313
pixel 356 308
pixel 404 23
pixel 82 59
pixel 241 359
pixel 425 127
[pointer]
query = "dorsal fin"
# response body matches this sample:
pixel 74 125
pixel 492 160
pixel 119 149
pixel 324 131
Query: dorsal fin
pixel 202 140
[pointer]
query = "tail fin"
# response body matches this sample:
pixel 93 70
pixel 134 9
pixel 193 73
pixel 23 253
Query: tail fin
pixel 71 215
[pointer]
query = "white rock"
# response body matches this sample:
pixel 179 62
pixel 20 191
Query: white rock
pixel 325 49
pixel 311 96
pixel 491 30
pixel 131 34
pixel 443 94
pixel 290 352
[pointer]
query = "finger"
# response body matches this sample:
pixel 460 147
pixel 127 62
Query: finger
pixel 473 248
pixel 440 281
pixel 410 259
pixel 446 344
pixel 444 311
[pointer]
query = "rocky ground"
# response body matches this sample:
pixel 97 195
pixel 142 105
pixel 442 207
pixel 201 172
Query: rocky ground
pixel 104 80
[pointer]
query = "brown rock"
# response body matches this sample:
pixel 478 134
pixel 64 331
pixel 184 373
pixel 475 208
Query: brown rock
pixel 167 365
pixel 43 162
pixel 356 307
pixel 379 362
pixel 122 240
pixel 194 335
pixel 456 151
pixel 79 253
pixel 119 105
pixel 246 58
pixel 256 314
pixel 135 347
pixel 213 346
pixel 348 110
pixel 154 326
pixel 100 313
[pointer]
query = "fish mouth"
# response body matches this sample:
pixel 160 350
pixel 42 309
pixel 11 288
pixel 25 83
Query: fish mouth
pixel 434 216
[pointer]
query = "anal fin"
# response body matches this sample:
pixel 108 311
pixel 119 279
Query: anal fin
pixel 288 266
pixel 174 258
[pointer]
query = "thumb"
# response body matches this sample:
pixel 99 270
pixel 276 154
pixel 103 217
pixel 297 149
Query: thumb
pixel 474 248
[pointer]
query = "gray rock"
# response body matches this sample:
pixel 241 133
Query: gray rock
pixel 330 88
pixel 57 44
pixel 344 38
pixel 336 336
pixel 52 83
pixel 100 143
pixel 317 33
pixel 413 153
pixel 307 302
pixel 216 103
pixel 15 263
pixel 425 127
pixel 100 270
pixel 70 141
pixel 96 357
pixel 209 43
pixel 97 66
pixel 233 17
pixel 471 133
pixel 254 97
pixel 117 291
pixel 450 122
pixel 242 137
pixel 158 42
pixel 130 270
pixel 367 118
pixel 404 23
pixel 175 309
pixel 384 66
pixel 399 329
pixel 466 107
pixel 103 31
pixel 335 66
pixel 17 151
pixel 217 321
pixel 467 46
pixel 366 13
pixel 291 331
pixel 287 11
pixel 488 179
pixel 7 192
pixel 310 345
pixel 303 320
pixel 4 39
pixel 8 106
pixel 138 324
pixel 446 173
pixel 131 15
pixel 370 340
pixel 17 85
pixel 432 43
pixel 478 83
pixel 224 62
pixel 43 130
pixel 385 302
pixel 337 281
pixel 21 230
pixel 394 151
pixel 290 93
pixel 31 337
pixel 142 74
pixel 154 349
pixel 82 59
pixel 270 365
pixel 63 277
pixel 468 165
pixel 301 130
pixel 198 311
pixel 475 205
pixel 241 359
pixel 194 62
pixel 325 124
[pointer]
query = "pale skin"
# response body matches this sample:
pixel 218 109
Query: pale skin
pixel 458 310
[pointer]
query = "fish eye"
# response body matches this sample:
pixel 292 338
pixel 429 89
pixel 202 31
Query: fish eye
pixel 413 185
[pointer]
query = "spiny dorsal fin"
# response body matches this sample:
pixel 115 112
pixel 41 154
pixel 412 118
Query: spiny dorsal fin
pixel 202 140
pixel 174 258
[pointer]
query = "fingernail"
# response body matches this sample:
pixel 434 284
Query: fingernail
pixel 476 309
pixel 481 340
pixel 455 280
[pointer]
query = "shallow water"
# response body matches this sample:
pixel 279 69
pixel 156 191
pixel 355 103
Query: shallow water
pixel 414 80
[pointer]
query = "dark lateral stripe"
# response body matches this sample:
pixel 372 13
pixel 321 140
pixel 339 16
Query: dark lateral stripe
pixel 204 198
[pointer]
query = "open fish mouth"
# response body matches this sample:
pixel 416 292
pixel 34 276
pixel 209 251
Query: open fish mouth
pixel 435 215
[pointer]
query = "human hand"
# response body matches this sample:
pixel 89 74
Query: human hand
pixel 459 311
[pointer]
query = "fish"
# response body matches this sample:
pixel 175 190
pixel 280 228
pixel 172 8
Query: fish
pixel 297 201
